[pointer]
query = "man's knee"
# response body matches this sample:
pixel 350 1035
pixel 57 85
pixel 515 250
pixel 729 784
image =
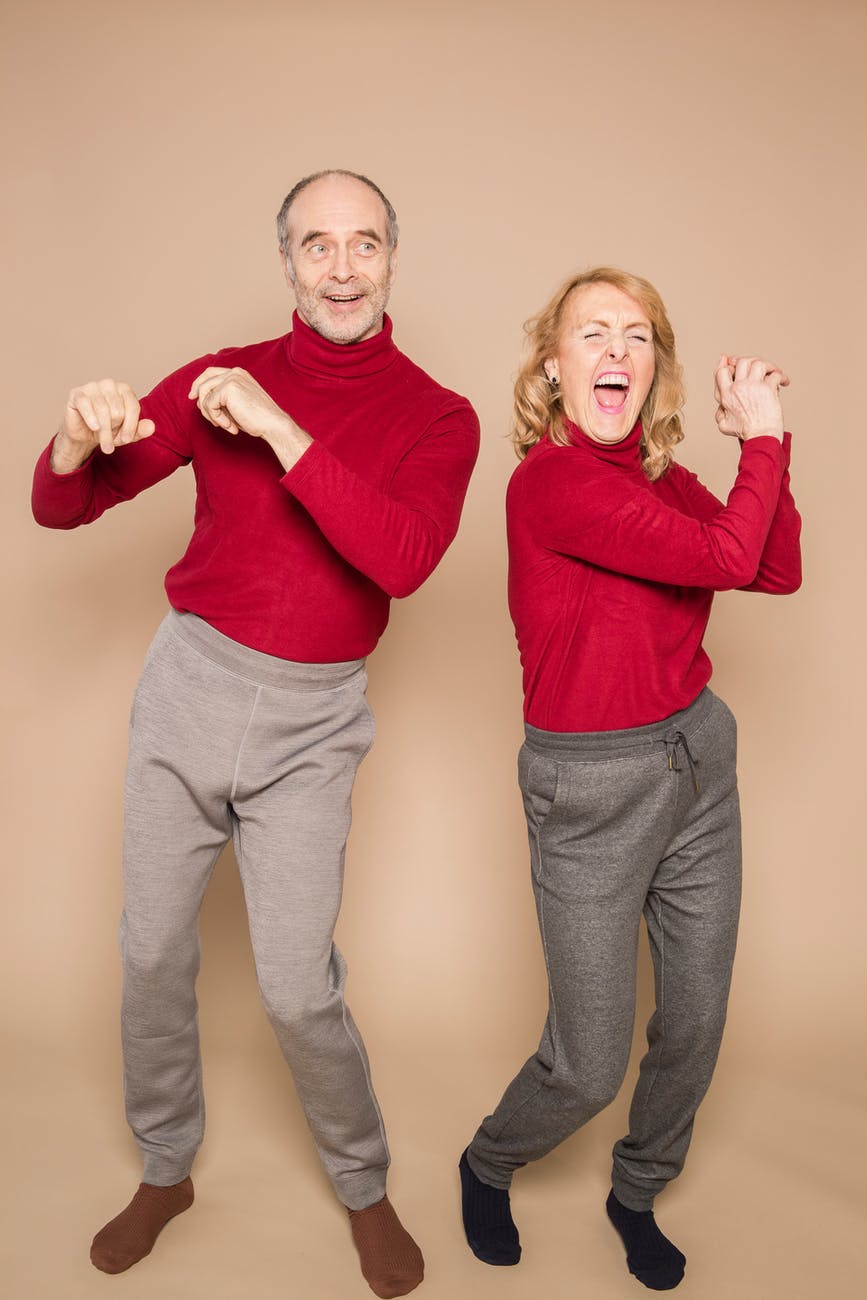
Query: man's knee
pixel 588 1082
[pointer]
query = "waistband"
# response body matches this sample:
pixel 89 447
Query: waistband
pixel 255 665
pixel 588 745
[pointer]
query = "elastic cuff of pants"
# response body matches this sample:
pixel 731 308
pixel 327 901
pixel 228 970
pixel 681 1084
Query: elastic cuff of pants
pixel 360 1191
pixel 631 1197
pixel 501 1181
pixel 159 1172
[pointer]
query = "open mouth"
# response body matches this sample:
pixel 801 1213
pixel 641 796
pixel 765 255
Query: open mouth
pixel 611 391
pixel 343 299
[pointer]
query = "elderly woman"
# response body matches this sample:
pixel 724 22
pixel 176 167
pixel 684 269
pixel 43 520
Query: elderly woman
pixel 628 769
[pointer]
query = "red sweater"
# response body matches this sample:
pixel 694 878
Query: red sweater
pixel 611 577
pixel 299 565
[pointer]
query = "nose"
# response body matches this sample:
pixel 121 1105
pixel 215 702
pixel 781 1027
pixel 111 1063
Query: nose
pixel 341 266
pixel 617 347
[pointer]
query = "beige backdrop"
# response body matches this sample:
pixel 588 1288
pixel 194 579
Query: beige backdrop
pixel 717 150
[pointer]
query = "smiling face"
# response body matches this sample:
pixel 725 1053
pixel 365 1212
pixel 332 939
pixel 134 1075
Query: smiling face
pixel 605 361
pixel 339 264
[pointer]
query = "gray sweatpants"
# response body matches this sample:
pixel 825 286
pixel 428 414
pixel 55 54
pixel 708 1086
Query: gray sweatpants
pixel 226 741
pixel 618 827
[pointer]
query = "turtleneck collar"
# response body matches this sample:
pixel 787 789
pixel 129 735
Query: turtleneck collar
pixel 310 352
pixel 626 453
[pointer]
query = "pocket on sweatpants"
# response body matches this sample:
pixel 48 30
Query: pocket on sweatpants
pixel 539 778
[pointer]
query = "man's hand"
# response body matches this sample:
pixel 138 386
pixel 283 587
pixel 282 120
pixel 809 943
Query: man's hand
pixel 747 391
pixel 234 401
pixel 102 414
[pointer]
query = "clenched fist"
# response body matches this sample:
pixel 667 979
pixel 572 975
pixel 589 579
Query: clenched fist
pixel 747 391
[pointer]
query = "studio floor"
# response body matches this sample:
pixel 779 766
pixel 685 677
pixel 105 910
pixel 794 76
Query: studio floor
pixel 768 1206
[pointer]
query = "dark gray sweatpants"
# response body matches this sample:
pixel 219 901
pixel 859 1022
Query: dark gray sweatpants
pixel 617 827
pixel 227 742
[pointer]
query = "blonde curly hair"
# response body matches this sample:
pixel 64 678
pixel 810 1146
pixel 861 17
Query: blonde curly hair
pixel 538 402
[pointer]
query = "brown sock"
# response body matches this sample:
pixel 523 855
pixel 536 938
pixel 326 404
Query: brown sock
pixel 131 1236
pixel 391 1262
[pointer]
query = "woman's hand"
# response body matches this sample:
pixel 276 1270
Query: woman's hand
pixel 747 391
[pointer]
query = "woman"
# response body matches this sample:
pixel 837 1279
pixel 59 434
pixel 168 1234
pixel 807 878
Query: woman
pixel 628 770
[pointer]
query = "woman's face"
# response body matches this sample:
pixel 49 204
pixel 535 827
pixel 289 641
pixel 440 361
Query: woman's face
pixel 605 361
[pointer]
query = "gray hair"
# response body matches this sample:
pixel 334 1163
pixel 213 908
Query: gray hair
pixel 283 214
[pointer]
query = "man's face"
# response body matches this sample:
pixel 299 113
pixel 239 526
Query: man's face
pixel 340 266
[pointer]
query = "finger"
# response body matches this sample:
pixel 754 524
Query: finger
pixel 207 385
pixel 206 375
pixel 758 370
pixel 742 367
pixel 211 406
pixel 82 405
pixel 214 409
pixel 207 395
pixel 130 419
pixel 113 398
pixel 223 420
pixel 723 378
pixel 774 375
pixel 776 379
pixel 104 431
pixel 143 429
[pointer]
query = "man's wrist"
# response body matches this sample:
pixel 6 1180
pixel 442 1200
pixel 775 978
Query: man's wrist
pixel 288 442
pixel 67 457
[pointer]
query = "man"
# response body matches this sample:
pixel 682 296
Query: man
pixel 330 477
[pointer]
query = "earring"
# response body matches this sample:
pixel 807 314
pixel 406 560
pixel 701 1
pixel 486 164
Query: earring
pixel 553 380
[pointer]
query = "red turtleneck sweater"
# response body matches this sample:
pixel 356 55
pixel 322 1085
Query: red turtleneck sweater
pixel 611 577
pixel 299 565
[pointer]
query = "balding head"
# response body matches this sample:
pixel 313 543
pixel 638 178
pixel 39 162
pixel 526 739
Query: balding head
pixel 337 233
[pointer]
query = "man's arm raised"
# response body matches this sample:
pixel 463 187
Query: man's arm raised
pixel 79 476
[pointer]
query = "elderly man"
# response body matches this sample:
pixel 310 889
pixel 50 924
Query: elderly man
pixel 330 474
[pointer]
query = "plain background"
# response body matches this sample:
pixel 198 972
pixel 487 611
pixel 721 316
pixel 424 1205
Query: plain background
pixel 717 150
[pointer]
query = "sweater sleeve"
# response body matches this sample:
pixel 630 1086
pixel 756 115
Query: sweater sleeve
pixel 614 522
pixel 68 500
pixel 779 571
pixel 397 536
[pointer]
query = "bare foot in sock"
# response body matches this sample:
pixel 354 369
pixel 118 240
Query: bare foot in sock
pixel 391 1262
pixel 131 1236
pixel 488 1223
pixel 650 1256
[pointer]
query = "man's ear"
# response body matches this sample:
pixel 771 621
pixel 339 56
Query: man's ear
pixel 288 273
pixel 392 258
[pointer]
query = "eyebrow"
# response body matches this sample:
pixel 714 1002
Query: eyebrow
pixel 635 324
pixel 313 235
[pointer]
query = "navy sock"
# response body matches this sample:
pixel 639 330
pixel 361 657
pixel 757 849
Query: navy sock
pixel 488 1223
pixel 651 1257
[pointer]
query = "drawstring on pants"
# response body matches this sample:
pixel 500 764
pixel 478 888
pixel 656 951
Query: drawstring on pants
pixel 672 740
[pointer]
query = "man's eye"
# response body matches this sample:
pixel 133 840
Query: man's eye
pixel 367 248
